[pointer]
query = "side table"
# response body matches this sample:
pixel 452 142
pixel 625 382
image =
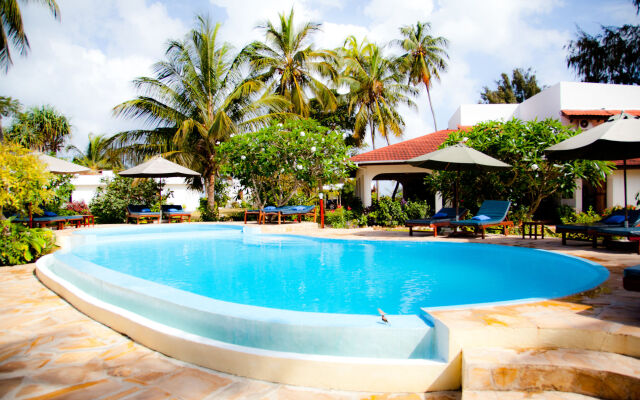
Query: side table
pixel 533 228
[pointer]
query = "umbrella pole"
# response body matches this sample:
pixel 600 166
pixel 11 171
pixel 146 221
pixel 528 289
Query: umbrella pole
pixel 626 210
pixel 455 193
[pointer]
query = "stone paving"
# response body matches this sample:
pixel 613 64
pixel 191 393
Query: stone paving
pixel 49 350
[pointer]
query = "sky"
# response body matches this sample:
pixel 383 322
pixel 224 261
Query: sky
pixel 84 64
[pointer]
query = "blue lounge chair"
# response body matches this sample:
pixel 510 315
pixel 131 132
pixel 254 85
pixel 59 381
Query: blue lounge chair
pixel 172 212
pixel 631 278
pixel 260 213
pixel 139 212
pixel 297 211
pixel 491 213
pixel 437 220
pixel 51 218
pixel 615 220
pixel 631 233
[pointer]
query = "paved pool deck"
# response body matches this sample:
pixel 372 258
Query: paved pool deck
pixel 49 350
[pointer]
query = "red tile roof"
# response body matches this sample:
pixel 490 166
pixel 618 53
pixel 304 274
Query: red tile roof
pixel 597 113
pixel 405 150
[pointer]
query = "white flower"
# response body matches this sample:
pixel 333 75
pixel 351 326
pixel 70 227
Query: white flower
pixel 243 157
pixel 313 148
pixel 534 167
pixel 299 166
pixel 302 133
pixel 281 170
pixel 218 143
pixel 280 125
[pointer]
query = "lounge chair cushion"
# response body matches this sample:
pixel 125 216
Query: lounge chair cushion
pixel 299 208
pixel 439 215
pixel 270 208
pixel 481 218
pixel 145 210
pixel 614 219
pixel 50 214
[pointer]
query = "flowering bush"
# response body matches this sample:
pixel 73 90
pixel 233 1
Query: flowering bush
pixel 20 245
pixel 78 207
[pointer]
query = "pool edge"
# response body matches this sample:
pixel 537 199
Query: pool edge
pixel 328 372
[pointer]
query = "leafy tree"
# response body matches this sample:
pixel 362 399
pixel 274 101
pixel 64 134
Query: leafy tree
pixel 277 161
pixel 40 128
pixel 287 62
pixel 375 90
pixel 196 101
pixel 109 205
pixel 613 56
pixel 532 178
pixel 12 29
pixel 23 180
pixel 425 57
pixel 516 90
pixel 8 108
pixel 97 155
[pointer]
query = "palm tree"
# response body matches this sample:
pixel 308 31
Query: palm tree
pixel 12 29
pixel 425 57
pixel 8 108
pixel 375 90
pixel 98 154
pixel 40 128
pixel 196 100
pixel 287 62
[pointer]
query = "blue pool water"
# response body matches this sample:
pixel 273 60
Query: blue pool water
pixel 335 276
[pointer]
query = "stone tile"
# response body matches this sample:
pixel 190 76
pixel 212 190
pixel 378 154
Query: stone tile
pixel 8 385
pixel 293 393
pixel 150 394
pixel 191 383
pixel 69 375
pixel 77 357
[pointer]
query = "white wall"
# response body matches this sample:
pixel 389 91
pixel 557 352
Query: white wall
pixel 615 187
pixel 86 186
pixel 366 173
pixel 471 114
pixel 543 105
pixel 595 96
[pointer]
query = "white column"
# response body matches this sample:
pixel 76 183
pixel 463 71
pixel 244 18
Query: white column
pixel 438 201
pixel 363 186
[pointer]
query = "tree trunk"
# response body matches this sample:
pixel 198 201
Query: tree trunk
pixel 373 144
pixel 435 124
pixel 210 186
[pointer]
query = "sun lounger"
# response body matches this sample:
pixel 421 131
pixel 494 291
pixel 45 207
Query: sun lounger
pixel 139 212
pixel 631 233
pixel 491 213
pixel 175 213
pixel 283 212
pixel 260 213
pixel 51 219
pixel 615 220
pixel 439 219
pixel 631 278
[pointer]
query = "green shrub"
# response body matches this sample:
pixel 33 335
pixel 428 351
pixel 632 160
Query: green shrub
pixel 109 204
pixel 588 217
pixel 206 213
pixel 416 209
pixel 343 218
pixel 20 245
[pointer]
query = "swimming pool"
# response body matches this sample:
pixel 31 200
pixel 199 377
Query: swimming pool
pixel 300 297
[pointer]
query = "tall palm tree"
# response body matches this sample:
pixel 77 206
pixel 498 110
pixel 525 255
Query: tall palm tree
pixel 40 128
pixel 12 29
pixel 375 90
pixel 97 155
pixel 197 99
pixel 8 108
pixel 425 57
pixel 287 62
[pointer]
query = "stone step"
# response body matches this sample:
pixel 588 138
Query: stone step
pixel 586 372
pixel 512 395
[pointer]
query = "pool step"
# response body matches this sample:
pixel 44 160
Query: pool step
pixel 513 395
pixel 585 372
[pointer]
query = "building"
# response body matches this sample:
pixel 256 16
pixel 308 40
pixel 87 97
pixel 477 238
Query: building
pixel 579 104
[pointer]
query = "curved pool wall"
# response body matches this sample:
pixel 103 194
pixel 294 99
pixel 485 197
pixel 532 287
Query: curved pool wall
pixel 340 351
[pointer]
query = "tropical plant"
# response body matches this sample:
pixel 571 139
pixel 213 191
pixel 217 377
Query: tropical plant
pixel 20 245
pixel 532 177
pixel 277 161
pixel 98 154
pixel 425 57
pixel 8 108
pixel 197 100
pixel 24 182
pixel 109 205
pixel 12 29
pixel 375 90
pixel 287 62
pixel 612 56
pixel 40 128
pixel 520 87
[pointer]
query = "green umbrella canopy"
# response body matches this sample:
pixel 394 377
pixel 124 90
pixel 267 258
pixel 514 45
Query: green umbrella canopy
pixel 158 167
pixel 58 166
pixel 616 139
pixel 458 158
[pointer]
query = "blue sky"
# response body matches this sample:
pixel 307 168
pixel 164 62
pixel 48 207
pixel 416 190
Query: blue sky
pixel 84 64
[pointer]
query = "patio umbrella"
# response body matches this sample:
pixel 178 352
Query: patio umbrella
pixel 616 139
pixel 158 167
pixel 458 158
pixel 58 166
